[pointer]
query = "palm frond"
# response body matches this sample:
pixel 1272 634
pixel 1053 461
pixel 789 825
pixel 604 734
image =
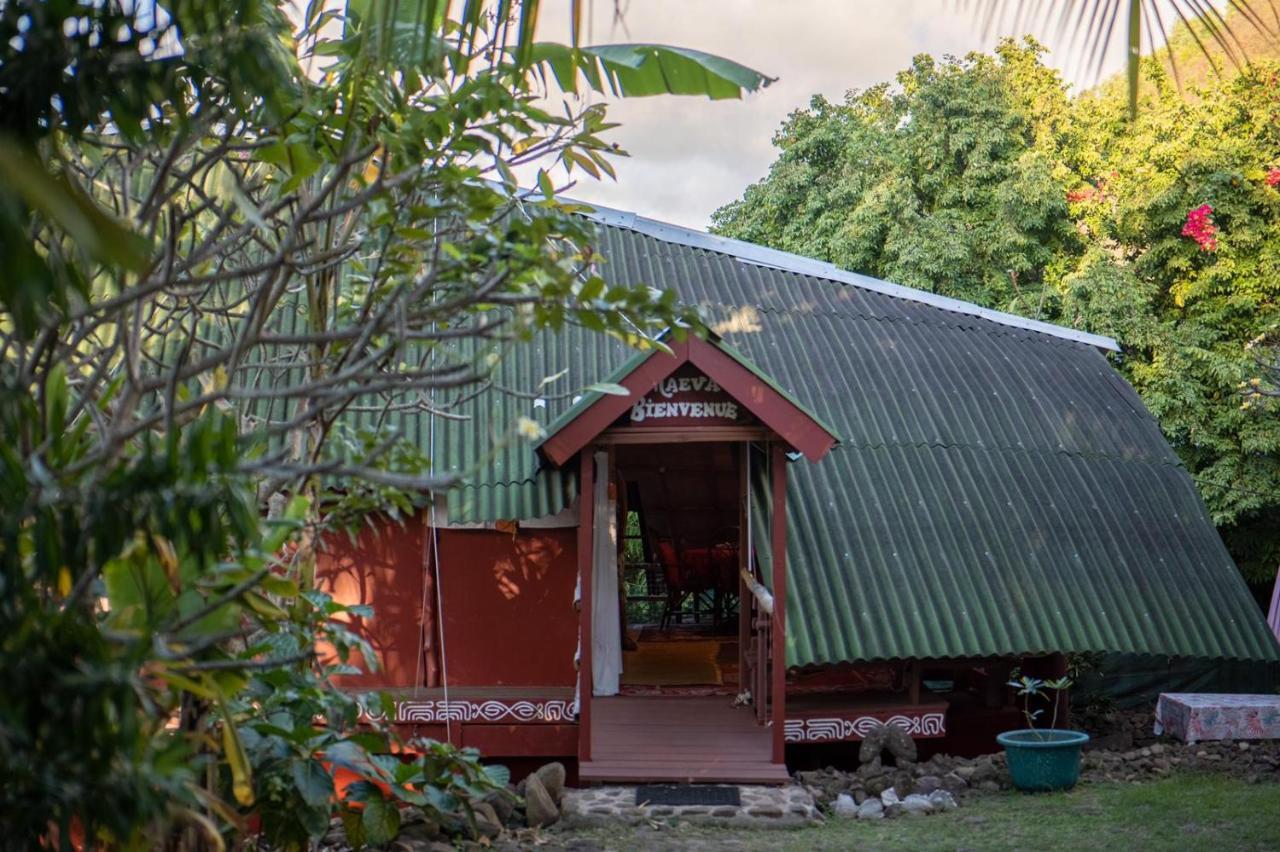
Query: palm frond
pixel 1086 30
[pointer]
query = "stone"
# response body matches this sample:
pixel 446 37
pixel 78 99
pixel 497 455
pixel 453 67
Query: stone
pixel 870 768
pixel 917 804
pixel 769 811
pixel 488 824
pixel 877 785
pixel 552 776
pixel 983 769
pixel 989 786
pixel 889 797
pixel 899 743
pixel 539 808
pixel 942 801
pixel 845 806
pixel 903 783
pixel 1244 746
pixel 953 783
pixel 503 805
pixel 926 784
pixel 871 809
pixel 873 744
pixel 417 838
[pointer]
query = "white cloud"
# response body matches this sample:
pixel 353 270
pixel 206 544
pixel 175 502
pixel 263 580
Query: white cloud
pixel 691 155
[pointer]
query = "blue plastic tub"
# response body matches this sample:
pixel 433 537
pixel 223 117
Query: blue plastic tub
pixel 1043 760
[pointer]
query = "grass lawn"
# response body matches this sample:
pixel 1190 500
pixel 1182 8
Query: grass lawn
pixel 1204 813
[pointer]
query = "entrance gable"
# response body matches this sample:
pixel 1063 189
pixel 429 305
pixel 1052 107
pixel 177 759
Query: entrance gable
pixel 698 384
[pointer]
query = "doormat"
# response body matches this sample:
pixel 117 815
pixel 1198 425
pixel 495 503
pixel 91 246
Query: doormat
pixel 691 663
pixel 712 795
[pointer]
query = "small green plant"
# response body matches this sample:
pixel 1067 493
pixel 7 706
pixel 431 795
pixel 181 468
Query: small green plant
pixel 1033 689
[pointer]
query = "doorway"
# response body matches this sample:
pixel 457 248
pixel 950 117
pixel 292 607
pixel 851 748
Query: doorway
pixel 680 542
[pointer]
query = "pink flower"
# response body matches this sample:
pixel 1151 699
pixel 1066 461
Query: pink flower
pixel 1199 227
pixel 1273 177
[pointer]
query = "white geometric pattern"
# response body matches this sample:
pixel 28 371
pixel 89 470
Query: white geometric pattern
pixel 463 710
pixel 836 729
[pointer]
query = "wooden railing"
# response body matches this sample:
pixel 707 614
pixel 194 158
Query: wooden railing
pixel 760 603
pixel 762 628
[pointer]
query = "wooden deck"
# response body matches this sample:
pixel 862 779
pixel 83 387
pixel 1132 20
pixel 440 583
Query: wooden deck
pixel 678 739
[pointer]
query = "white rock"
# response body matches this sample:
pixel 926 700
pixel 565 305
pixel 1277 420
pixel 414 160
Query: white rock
pixel 890 797
pixel 917 804
pixel 845 806
pixel 942 800
pixel 871 808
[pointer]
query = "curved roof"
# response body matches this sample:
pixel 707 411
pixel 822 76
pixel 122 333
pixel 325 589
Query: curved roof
pixel 998 488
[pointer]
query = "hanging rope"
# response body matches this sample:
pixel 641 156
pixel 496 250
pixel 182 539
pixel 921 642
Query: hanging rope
pixel 444 656
pixel 433 531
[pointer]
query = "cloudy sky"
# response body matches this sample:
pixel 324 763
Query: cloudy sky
pixel 691 155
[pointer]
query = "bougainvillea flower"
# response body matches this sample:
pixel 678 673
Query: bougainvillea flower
pixel 1199 227
pixel 1273 176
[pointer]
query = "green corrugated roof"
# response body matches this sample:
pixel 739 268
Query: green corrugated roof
pixel 998 488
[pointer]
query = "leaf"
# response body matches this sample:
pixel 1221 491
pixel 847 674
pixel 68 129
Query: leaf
pixel 98 234
pixel 237 760
pixel 353 825
pixel 642 70
pixel 499 776
pixel 313 782
pixel 380 821
pixel 609 388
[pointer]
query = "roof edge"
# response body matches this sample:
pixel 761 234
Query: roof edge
pixel 786 261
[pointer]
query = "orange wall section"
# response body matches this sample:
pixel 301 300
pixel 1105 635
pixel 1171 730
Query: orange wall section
pixel 509 618
pixel 508 607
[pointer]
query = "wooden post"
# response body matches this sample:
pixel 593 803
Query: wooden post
pixel 586 559
pixel 744 564
pixel 431 620
pixel 778 540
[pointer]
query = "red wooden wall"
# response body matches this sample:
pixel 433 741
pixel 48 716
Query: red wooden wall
pixel 508 607
pixel 383 568
pixel 508 603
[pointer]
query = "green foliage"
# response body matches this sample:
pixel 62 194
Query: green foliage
pixel 947 182
pixel 188 205
pixel 980 179
pixel 1036 689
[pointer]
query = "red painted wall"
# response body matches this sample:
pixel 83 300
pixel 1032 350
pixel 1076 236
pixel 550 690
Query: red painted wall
pixel 508 603
pixel 383 568
pixel 508 607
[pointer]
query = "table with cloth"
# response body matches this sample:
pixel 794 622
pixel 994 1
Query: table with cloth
pixel 1196 716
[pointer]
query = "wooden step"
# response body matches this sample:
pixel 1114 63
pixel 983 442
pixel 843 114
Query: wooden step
pixel 637 771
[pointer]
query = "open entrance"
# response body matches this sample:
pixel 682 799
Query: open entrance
pixel 663 532
pixel 680 549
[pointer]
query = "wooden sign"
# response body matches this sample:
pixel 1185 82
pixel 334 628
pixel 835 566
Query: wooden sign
pixel 686 398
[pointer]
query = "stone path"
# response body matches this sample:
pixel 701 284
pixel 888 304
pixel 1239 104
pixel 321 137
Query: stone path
pixel 762 807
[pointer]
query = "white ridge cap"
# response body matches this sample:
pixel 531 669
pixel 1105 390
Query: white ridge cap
pixel 762 256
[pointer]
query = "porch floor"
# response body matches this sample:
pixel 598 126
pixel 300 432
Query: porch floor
pixel 678 739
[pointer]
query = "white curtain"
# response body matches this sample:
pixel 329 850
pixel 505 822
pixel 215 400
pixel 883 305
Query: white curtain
pixel 606 631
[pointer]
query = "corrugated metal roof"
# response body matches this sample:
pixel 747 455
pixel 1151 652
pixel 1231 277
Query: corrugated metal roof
pixel 998 488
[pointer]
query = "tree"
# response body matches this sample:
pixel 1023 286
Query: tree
pixel 949 181
pixel 221 235
pixel 1219 36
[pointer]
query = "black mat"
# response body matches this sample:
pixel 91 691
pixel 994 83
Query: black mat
pixel 687 794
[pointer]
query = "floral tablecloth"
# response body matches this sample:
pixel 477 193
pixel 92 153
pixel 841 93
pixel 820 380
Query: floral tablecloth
pixel 1195 716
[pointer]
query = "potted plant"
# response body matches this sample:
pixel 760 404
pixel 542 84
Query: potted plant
pixel 1042 759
